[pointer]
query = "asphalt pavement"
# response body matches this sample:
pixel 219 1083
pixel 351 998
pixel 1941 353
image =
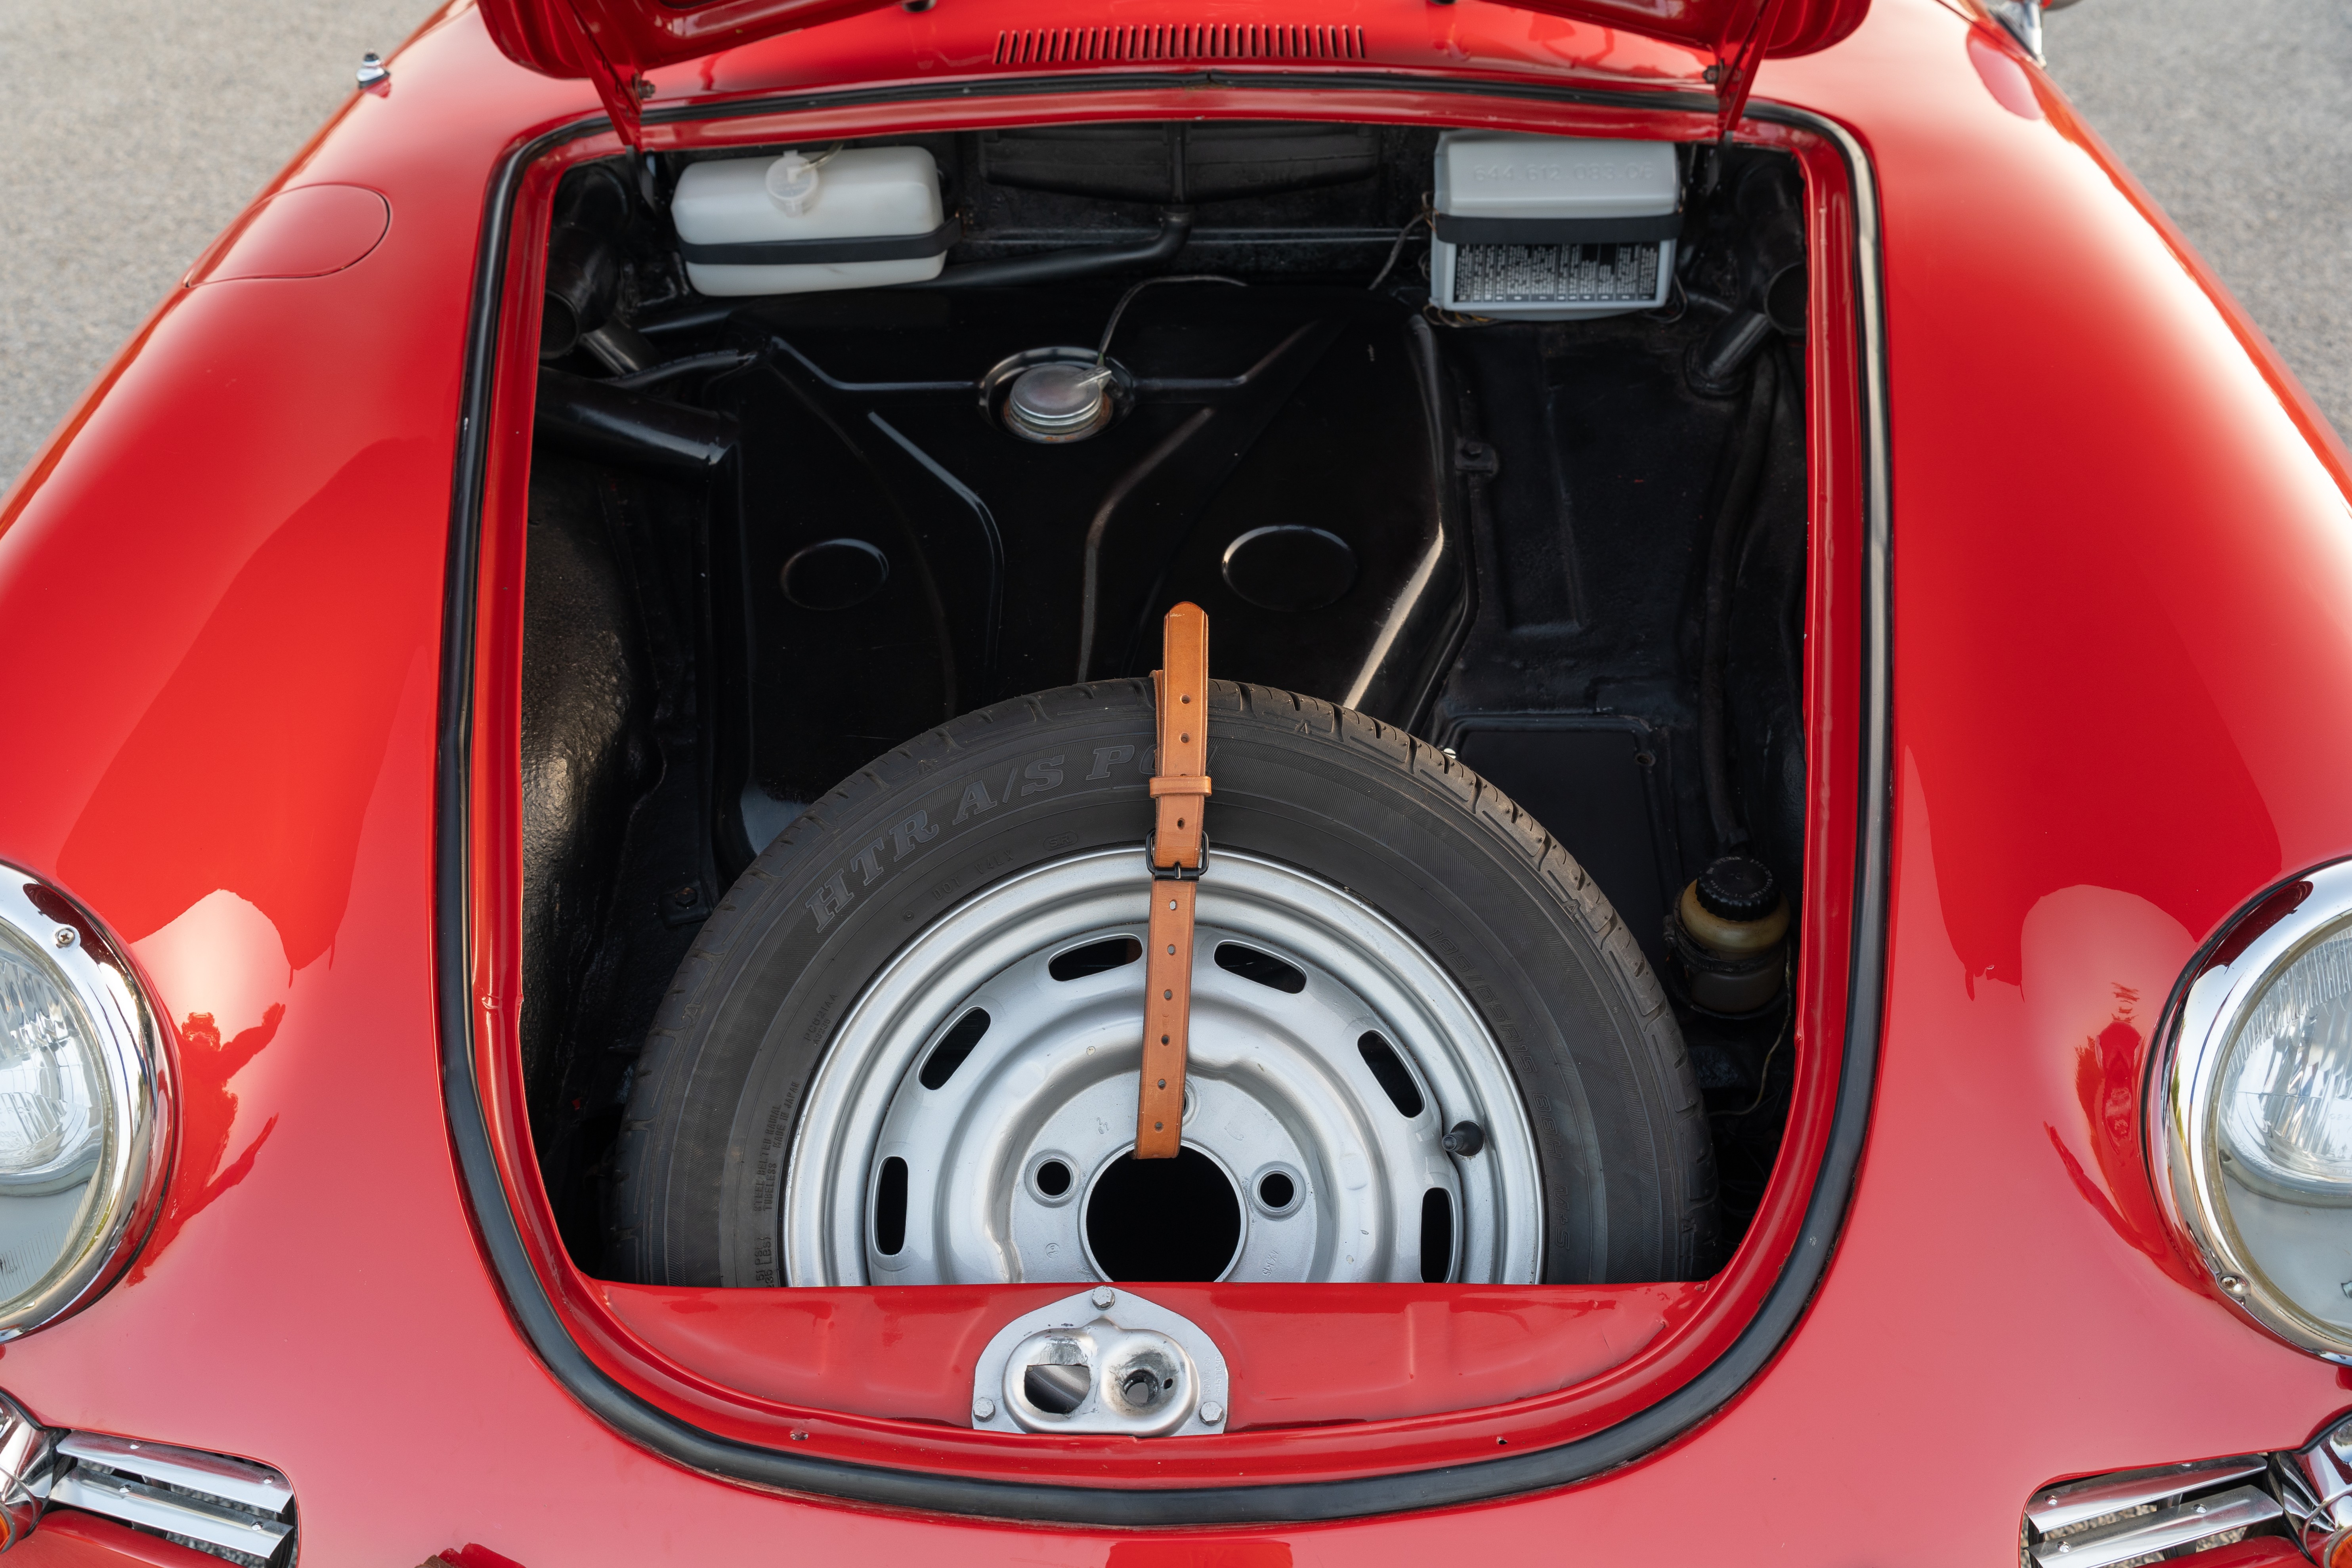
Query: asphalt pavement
pixel 135 131
pixel 2237 116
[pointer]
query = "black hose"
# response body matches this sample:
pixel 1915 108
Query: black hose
pixel 654 375
pixel 1175 227
pixel 584 266
pixel 1716 366
pixel 601 420
pixel 1722 565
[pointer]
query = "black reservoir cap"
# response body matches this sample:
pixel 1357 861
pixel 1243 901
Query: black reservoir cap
pixel 1738 888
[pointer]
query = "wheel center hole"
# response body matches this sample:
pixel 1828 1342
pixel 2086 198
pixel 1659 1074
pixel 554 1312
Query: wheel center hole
pixel 1165 1219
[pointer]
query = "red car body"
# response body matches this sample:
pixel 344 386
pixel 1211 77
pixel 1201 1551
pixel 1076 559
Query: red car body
pixel 2081 570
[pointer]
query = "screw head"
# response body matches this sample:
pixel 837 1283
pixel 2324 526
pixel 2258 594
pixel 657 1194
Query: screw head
pixel 983 1409
pixel 2235 1285
pixel 1104 1296
pixel 1212 1414
pixel 64 936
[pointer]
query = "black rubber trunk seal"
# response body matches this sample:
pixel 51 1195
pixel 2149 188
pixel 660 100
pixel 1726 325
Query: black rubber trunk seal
pixel 1110 1504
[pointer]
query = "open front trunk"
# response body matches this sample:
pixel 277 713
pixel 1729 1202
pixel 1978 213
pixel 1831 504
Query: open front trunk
pixel 776 538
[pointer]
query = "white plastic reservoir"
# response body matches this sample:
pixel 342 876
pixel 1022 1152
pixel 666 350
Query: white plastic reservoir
pixel 798 224
pixel 1553 227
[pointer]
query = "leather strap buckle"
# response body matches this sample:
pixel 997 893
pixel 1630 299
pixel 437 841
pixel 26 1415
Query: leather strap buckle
pixel 1177 851
pixel 1173 873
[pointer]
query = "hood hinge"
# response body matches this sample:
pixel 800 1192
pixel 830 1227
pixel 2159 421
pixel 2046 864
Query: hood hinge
pixel 1736 63
pixel 618 89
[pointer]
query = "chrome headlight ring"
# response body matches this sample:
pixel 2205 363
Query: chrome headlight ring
pixel 2253 1222
pixel 62 973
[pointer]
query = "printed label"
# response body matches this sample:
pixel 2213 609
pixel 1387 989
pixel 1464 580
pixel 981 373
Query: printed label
pixel 963 799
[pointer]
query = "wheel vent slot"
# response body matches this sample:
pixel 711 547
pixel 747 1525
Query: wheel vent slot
pixel 1095 958
pixel 1263 967
pixel 1395 1078
pixel 1436 1235
pixel 953 1046
pixel 890 1208
pixel 1182 41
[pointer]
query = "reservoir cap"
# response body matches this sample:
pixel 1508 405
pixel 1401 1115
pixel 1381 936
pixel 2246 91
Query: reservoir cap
pixel 1738 888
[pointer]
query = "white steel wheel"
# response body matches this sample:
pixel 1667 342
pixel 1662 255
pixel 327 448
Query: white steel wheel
pixel 973 1119
pixel 905 1047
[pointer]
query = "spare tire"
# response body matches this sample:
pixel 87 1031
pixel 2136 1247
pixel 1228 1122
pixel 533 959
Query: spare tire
pixel 904 1049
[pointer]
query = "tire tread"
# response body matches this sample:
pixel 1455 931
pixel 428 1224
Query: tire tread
pixel 1447 783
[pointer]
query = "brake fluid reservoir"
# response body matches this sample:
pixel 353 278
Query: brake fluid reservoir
pixel 1553 227
pixel 1729 930
pixel 798 224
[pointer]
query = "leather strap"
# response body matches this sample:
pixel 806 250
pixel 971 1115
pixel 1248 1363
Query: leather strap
pixel 1181 786
pixel 1167 1013
pixel 1180 789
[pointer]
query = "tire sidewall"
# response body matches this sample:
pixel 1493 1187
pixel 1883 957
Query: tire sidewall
pixel 792 946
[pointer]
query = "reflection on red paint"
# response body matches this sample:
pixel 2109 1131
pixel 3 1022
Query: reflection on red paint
pixel 909 1353
pixel 2107 1072
pixel 1178 1552
pixel 207 1119
pixel 2003 77
pixel 250 768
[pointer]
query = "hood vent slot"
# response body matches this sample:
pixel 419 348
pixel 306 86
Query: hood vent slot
pixel 231 1508
pixel 2135 1517
pixel 1189 41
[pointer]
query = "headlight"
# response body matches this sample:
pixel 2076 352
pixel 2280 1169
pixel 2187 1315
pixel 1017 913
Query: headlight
pixel 2251 1112
pixel 81 1145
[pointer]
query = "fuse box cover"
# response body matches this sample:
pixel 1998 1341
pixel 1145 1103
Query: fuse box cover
pixel 1553 227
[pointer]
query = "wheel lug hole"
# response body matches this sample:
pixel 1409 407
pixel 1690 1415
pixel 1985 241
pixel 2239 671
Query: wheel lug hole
pixel 1278 1191
pixel 1052 1179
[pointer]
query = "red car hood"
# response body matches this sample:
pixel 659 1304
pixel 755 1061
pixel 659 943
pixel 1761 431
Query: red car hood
pixel 613 42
